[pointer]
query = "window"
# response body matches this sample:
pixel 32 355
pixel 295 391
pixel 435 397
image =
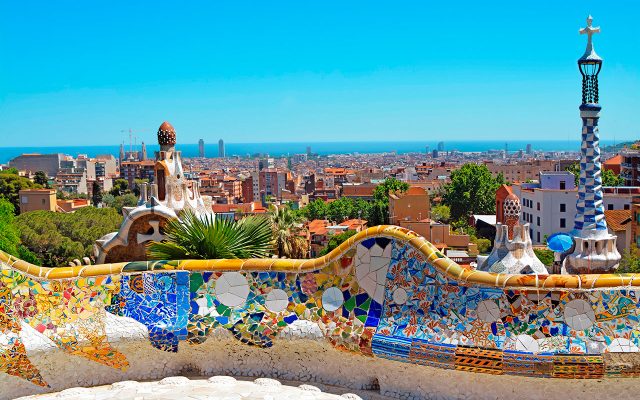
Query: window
pixel 538 206
pixel 563 207
pixel 538 221
pixel 626 206
pixel 563 223
pixel 538 237
pixel 43 201
pixel 563 185
pixel 24 200
pixel 609 206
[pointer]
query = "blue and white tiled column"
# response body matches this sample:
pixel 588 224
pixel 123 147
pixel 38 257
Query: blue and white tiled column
pixel 595 248
pixel 589 220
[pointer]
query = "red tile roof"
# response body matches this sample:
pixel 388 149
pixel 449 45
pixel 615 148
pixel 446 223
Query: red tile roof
pixel 617 219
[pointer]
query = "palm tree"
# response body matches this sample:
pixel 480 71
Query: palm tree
pixel 212 237
pixel 287 227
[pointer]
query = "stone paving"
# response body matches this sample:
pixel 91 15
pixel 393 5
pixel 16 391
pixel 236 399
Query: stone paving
pixel 180 387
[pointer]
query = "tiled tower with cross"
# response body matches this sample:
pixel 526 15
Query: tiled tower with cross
pixel 595 248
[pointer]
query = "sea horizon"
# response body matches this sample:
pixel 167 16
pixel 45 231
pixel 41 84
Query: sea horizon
pixel 279 149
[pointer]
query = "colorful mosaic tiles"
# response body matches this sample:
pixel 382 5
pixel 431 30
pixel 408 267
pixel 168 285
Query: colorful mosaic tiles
pixel 385 293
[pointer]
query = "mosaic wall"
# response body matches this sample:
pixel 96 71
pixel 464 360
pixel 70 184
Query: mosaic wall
pixel 385 293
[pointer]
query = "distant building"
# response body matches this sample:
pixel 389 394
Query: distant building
pixel 247 190
pixel 272 181
pixel 529 151
pixel 440 146
pixel 72 182
pixel 613 164
pixel 522 171
pixel 121 155
pixel 32 163
pixel 37 199
pixel 629 167
pixel 201 148
pixel 619 224
pixel 362 191
pixel 308 151
pixel 550 206
pixel 221 153
pixel 132 170
pixel 435 153
pixel 413 205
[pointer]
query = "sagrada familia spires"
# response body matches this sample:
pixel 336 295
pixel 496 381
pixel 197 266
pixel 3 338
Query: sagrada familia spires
pixel 595 248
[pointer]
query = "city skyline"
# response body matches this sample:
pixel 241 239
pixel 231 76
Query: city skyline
pixel 257 74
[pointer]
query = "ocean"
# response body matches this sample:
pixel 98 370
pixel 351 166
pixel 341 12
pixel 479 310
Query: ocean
pixel 322 148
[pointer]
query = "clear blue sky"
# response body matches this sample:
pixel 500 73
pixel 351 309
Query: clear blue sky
pixel 80 72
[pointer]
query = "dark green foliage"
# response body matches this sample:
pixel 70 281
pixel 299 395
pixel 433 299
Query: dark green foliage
pixel 630 262
pixel 96 194
pixel 336 240
pixel 441 213
pixel 57 238
pixel 472 191
pixel 375 212
pixel 117 202
pixel 120 187
pixel 11 184
pixel 41 179
pixel 484 245
pixel 545 256
pixel 209 237
pixel 381 192
pixel 9 235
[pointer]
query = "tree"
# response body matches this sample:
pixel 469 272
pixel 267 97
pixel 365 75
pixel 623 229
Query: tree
pixel 381 192
pixel 317 209
pixel 545 256
pixel 57 238
pixel 630 262
pixel 472 191
pixel 441 213
pixel 120 187
pixel 287 227
pixel 127 200
pixel 41 178
pixel 11 184
pixel 96 194
pixel 609 178
pixel 213 237
pixel 9 235
pixel 336 240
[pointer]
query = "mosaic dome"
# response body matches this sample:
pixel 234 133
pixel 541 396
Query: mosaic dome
pixel 166 134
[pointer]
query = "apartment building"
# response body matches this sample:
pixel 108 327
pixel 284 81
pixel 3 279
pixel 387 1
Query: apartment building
pixel 630 167
pixel 550 206
pixel 32 163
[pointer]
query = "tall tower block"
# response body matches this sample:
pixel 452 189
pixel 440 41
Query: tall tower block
pixel 595 248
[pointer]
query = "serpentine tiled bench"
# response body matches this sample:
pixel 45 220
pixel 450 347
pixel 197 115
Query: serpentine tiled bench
pixel 385 295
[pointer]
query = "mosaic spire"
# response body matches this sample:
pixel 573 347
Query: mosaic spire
pixel 589 220
pixel 594 247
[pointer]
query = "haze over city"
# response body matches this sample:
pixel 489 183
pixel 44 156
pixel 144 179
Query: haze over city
pixel 283 72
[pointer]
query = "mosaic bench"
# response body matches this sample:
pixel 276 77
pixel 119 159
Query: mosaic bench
pixel 386 293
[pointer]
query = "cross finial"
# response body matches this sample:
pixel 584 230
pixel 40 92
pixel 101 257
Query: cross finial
pixel 590 31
